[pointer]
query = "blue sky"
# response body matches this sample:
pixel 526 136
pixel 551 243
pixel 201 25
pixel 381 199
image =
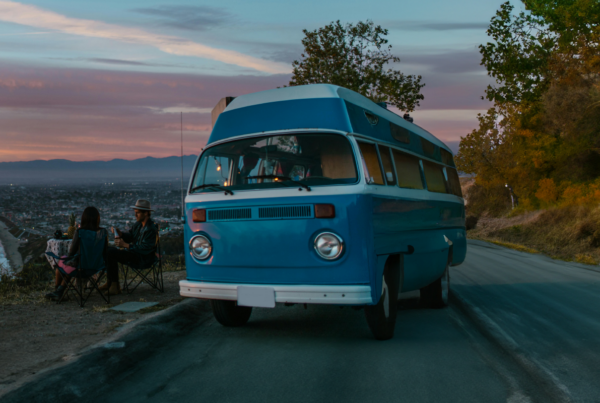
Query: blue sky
pixel 103 78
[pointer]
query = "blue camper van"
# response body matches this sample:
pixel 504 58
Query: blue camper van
pixel 317 195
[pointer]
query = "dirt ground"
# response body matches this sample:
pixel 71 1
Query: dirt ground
pixel 39 333
pixel 487 225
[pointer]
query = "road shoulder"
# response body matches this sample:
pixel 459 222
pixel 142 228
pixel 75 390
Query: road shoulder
pixel 100 365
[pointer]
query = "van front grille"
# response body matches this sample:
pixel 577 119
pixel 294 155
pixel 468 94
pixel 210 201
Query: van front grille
pixel 285 212
pixel 230 214
pixel 260 213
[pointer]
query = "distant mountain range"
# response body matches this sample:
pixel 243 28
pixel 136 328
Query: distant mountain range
pixel 117 170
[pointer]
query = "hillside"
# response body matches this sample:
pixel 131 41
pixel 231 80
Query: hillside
pixel 568 232
pixel 65 171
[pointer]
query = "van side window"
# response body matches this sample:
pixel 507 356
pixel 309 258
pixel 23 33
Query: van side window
pixel 369 153
pixel 453 182
pixel 447 158
pixel 388 166
pixel 428 148
pixel 408 170
pixel 434 176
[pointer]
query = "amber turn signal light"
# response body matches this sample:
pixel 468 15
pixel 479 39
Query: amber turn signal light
pixel 199 215
pixel 324 211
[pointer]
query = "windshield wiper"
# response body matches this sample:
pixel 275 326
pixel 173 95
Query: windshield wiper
pixel 285 179
pixel 212 185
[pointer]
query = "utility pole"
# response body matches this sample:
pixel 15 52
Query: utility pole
pixel 512 199
pixel 182 201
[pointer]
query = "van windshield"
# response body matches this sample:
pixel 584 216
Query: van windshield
pixel 277 161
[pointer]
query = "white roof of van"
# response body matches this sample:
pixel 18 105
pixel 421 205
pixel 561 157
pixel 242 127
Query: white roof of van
pixel 328 91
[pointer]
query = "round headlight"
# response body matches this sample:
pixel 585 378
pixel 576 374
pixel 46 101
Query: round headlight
pixel 200 247
pixel 329 246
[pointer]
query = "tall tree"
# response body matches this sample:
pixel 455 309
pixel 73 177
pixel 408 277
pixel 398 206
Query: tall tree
pixel 357 57
pixel 553 41
pixel 518 56
pixel 546 62
pixel 489 152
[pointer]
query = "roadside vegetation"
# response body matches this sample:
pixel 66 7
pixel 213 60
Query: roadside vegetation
pixel 27 286
pixel 538 148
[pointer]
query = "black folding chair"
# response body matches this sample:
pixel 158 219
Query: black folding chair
pixel 144 270
pixel 91 268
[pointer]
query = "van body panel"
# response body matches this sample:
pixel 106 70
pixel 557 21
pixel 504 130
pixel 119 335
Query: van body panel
pixel 281 251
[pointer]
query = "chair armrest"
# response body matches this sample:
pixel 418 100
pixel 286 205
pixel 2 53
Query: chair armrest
pixel 53 255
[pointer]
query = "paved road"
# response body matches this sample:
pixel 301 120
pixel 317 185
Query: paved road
pixel 547 310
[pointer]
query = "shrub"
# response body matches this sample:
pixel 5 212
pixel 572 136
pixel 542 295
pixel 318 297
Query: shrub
pixel 585 259
pixel 547 191
pixel 471 222
pixel 495 200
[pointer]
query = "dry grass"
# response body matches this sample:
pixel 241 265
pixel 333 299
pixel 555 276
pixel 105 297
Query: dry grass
pixel 570 233
pixel 28 286
pixel 585 259
pixel 515 246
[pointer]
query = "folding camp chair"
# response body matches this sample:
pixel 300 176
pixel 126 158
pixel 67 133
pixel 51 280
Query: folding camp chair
pixel 144 270
pixel 91 267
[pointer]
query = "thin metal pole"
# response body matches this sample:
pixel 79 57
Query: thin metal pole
pixel 182 165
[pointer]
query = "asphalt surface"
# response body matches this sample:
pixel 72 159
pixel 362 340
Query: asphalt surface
pixel 544 312
pixel 322 354
pixel 521 328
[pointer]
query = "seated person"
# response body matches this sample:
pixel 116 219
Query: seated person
pixel 90 220
pixel 137 245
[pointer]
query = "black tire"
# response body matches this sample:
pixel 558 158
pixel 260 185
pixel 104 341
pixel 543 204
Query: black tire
pixel 437 294
pixel 382 317
pixel 228 313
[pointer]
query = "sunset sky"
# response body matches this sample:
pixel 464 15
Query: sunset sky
pixel 91 80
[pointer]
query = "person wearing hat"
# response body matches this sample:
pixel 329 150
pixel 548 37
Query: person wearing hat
pixel 139 243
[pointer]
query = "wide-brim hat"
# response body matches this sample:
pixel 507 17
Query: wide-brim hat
pixel 142 205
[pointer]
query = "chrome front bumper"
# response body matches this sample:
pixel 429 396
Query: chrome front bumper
pixel 297 294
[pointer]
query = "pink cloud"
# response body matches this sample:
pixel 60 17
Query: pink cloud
pixel 82 114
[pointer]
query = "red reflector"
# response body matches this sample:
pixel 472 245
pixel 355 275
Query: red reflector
pixel 324 211
pixel 199 215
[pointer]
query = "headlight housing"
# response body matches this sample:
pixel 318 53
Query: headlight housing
pixel 329 246
pixel 201 247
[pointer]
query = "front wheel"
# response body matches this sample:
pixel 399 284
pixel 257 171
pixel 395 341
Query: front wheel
pixel 382 317
pixel 228 313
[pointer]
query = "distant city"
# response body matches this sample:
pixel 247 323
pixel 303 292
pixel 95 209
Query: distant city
pixel 41 210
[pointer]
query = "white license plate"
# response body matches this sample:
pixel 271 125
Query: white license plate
pixel 262 297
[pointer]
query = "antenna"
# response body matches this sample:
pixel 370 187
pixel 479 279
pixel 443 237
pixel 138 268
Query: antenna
pixel 182 214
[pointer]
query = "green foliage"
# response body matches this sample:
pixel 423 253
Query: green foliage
pixel 356 57
pixel 543 133
pixel 518 57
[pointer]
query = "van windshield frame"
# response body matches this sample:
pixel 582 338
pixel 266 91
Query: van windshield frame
pixel 277 161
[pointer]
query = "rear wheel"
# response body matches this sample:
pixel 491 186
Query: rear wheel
pixel 228 313
pixel 437 294
pixel 382 317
